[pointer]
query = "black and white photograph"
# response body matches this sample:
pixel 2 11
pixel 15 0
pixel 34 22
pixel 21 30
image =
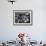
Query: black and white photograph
pixel 22 17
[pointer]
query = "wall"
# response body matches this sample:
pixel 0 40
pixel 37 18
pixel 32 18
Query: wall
pixel 37 31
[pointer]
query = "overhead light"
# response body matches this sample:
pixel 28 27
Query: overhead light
pixel 12 1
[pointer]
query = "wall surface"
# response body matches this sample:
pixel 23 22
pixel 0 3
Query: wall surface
pixel 37 31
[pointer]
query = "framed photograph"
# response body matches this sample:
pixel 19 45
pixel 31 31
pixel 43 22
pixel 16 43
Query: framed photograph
pixel 22 17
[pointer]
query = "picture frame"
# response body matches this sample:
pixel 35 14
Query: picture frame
pixel 22 17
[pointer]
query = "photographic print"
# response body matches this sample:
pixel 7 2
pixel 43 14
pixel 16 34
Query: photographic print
pixel 22 17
